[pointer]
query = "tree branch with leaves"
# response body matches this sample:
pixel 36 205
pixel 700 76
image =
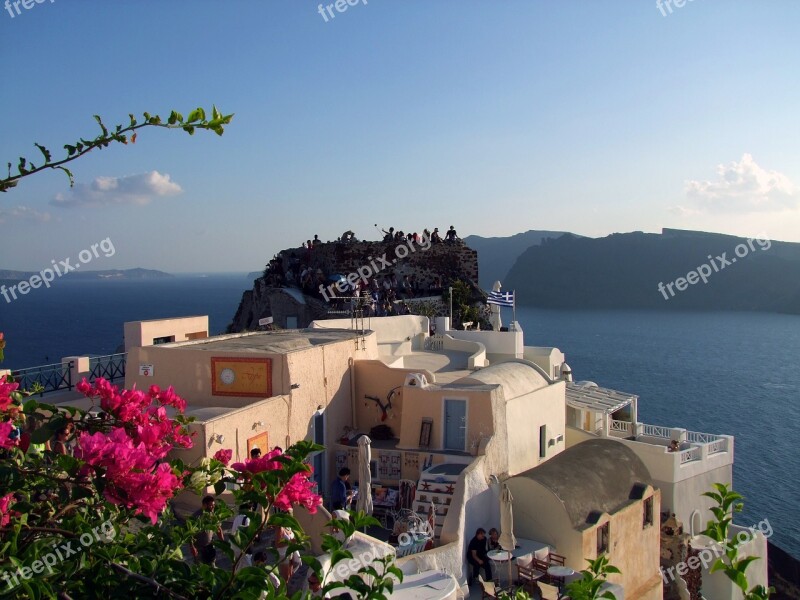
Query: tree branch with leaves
pixel 197 119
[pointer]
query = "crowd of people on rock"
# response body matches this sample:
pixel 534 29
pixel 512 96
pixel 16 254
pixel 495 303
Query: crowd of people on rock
pixel 451 237
pixel 382 292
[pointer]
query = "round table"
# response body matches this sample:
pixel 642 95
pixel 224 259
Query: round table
pixel 559 573
pixel 501 556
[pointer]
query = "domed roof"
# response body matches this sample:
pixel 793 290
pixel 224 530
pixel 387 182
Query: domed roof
pixel 592 477
pixel 517 378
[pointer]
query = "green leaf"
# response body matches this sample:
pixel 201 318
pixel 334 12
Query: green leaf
pixel 45 152
pixel 102 127
pixel 48 430
pixel 69 174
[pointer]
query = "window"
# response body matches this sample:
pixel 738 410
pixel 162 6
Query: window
pixel 542 441
pixel 163 340
pixel 602 539
pixel 648 512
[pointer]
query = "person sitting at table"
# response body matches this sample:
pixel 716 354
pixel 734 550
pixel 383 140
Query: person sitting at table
pixel 493 543
pixel 477 556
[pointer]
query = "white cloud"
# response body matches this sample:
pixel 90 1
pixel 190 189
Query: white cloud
pixel 138 189
pixel 742 187
pixel 23 213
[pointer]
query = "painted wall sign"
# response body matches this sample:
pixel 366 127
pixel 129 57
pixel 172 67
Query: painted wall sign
pixel 244 377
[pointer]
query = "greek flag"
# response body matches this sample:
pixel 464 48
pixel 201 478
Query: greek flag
pixel 501 298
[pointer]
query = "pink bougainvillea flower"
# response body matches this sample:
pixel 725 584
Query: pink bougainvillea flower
pixel 129 456
pixel 6 427
pixel 5 394
pixel 224 456
pixel 298 491
pixel 257 465
pixel 5 512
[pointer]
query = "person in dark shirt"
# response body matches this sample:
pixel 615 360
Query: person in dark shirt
pixel 340 495
pixel 477 558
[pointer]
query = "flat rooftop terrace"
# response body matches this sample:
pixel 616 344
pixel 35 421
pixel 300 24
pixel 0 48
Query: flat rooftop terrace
pixel 272 342
pixel 446 365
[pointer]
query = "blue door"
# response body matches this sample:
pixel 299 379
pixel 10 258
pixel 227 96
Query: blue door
pixel 455 425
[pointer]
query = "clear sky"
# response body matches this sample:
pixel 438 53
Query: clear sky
pixel 496 117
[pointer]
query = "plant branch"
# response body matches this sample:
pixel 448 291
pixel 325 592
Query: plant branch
pixel 195 120
pixel 146 580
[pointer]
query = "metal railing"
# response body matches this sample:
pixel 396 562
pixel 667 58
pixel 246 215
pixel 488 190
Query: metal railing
pixel 45 378
pixel 110 367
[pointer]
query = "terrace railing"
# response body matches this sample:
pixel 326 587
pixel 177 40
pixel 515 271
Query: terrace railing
pixel 657 431
pixel 718 445
pixel 696 437
pixel 621 426
pixel 691 454
pixel 45 378
pixel 110 367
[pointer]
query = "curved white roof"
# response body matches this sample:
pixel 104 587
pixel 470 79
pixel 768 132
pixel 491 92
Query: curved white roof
pixel 517 378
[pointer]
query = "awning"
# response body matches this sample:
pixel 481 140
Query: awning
pixel 589 396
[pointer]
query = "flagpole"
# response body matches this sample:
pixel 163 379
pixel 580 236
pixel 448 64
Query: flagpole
pixel 514 307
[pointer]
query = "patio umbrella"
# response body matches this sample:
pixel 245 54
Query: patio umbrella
pixel 364 502
pixel 507 540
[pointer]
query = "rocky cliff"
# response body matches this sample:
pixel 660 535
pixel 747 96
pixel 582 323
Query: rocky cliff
pixel 279 293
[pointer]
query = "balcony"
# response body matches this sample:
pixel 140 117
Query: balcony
pixel 695 452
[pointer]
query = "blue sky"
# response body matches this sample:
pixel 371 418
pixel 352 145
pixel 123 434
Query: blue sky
pixel 496 117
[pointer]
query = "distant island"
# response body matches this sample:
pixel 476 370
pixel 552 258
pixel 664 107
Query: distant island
pixel 7 275
pixel 689 270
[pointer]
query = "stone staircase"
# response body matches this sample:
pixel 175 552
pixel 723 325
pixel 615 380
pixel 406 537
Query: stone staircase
pixel 437 484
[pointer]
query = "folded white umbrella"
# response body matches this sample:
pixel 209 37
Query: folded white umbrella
pixel 364 502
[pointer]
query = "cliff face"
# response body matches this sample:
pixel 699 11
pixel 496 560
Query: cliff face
pixel 675 270
pixel 432 268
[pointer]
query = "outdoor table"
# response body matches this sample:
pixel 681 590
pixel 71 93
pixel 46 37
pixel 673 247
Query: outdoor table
pixel 560 573
pixel 498 557
pixel 430 585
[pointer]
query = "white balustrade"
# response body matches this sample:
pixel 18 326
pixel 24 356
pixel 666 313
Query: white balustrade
pixel 657 432
pixel 690 455
pixel 718 445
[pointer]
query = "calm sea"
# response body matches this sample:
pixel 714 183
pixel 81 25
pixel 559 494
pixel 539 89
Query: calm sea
pixel 732 373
